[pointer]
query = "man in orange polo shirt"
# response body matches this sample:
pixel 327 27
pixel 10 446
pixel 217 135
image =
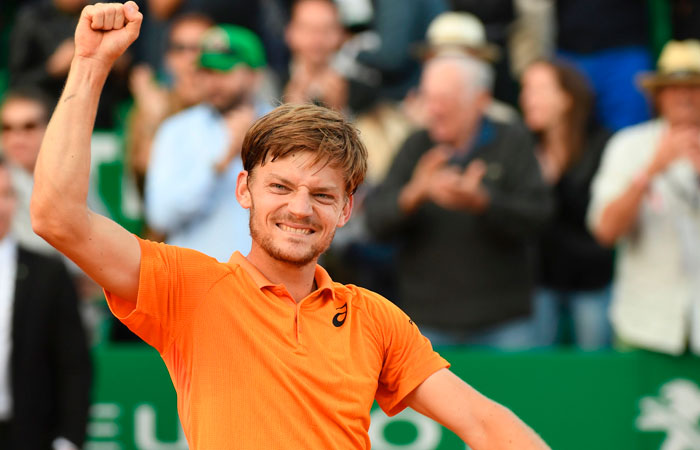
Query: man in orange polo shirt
pixel 265 351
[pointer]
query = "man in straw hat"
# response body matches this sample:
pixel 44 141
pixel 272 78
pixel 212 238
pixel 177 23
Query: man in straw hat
pixel 265 351
pixel 646 200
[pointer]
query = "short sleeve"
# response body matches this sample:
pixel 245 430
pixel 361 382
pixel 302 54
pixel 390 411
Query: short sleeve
pixel 409 358
pixel 173 281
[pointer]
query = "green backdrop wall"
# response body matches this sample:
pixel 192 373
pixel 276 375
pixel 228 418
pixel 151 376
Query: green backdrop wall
pixel 575 400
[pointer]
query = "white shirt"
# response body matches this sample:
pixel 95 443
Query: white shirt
pixel 23 184
pixel 656 291
pixel 185 197
pixel 8 270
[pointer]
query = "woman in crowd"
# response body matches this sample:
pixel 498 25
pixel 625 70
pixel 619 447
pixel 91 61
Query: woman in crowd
pixel 575 272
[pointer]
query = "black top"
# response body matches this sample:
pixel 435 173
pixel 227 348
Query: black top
pixel 586 26
pixel 685 17
pixel 38 31
pixel 570 258
pixel 459 270
pixel 51 371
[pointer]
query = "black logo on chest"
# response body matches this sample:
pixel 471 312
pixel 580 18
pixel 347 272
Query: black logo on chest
pixel 339 319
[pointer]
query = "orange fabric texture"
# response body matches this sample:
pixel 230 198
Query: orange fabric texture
pixel 255 370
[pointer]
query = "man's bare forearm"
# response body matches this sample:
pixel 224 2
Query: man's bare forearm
pixel 620 215
pixel 59 201
pixel 109 254
pixel 504 430
pixel 477 420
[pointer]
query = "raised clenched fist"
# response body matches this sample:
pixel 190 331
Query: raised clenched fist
pixel 106 30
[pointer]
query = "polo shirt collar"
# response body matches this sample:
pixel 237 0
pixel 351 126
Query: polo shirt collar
pixel 323 280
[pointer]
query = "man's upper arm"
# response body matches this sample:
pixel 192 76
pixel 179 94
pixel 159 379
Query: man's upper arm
pixel 109 254
pixel 409 359
pixel 445 398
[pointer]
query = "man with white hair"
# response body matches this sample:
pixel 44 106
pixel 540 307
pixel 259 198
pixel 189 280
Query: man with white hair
pixel 464 198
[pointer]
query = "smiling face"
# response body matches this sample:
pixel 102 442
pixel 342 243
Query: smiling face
pixel 296 204
pixel 228 90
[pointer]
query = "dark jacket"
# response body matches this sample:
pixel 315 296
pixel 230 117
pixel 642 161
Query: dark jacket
pixel 587 26
pixel 570 257
pixel 38 31
pixel 459 270
pixel 50 363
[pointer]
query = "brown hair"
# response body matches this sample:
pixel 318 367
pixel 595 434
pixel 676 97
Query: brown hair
pixel 31 93
pixel 322 131
pixel 189 17
pixel 578 117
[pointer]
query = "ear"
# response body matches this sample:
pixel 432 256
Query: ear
pixel 242 190
pixel 256 79
pixel 347 211
pixel 483 100
pixel 289 35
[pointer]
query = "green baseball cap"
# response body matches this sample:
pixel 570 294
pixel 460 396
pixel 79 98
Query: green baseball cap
pixel 226 46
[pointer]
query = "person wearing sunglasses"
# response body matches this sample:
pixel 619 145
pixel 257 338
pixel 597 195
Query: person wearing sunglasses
pixel 24 114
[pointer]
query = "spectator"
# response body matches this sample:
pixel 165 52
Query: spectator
pixel 195 158
pixel 608 41
pixel 384 69
pixel 499 19
pixel 646 199
pixel 464 198
pixel 24 115
pixel 575 271
pixel 154 103
pixel 45 368
pixel 264 17
pixel 463 33
pixel 41 49
pixel 313 35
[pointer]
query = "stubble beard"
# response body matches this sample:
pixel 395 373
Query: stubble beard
pixel 266 242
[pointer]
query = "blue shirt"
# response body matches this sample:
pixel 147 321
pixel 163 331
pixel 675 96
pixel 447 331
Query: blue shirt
pixel 185 197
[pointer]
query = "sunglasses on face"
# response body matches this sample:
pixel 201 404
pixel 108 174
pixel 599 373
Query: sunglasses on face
pixel 180 47
pixel 25 127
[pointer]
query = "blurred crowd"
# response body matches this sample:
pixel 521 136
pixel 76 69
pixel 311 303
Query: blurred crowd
pixel 534 165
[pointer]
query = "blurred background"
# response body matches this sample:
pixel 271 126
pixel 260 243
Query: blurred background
pixel 532 201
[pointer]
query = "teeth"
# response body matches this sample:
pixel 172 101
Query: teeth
pixel 295 230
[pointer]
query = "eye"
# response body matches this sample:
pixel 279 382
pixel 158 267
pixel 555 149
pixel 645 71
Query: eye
pixel 324 198
pixel 279 187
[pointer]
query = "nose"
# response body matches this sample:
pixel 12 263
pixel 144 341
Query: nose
pixel 300 204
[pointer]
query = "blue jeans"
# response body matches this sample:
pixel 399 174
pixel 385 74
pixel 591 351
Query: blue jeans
pixel 587 311
pixel 516 334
